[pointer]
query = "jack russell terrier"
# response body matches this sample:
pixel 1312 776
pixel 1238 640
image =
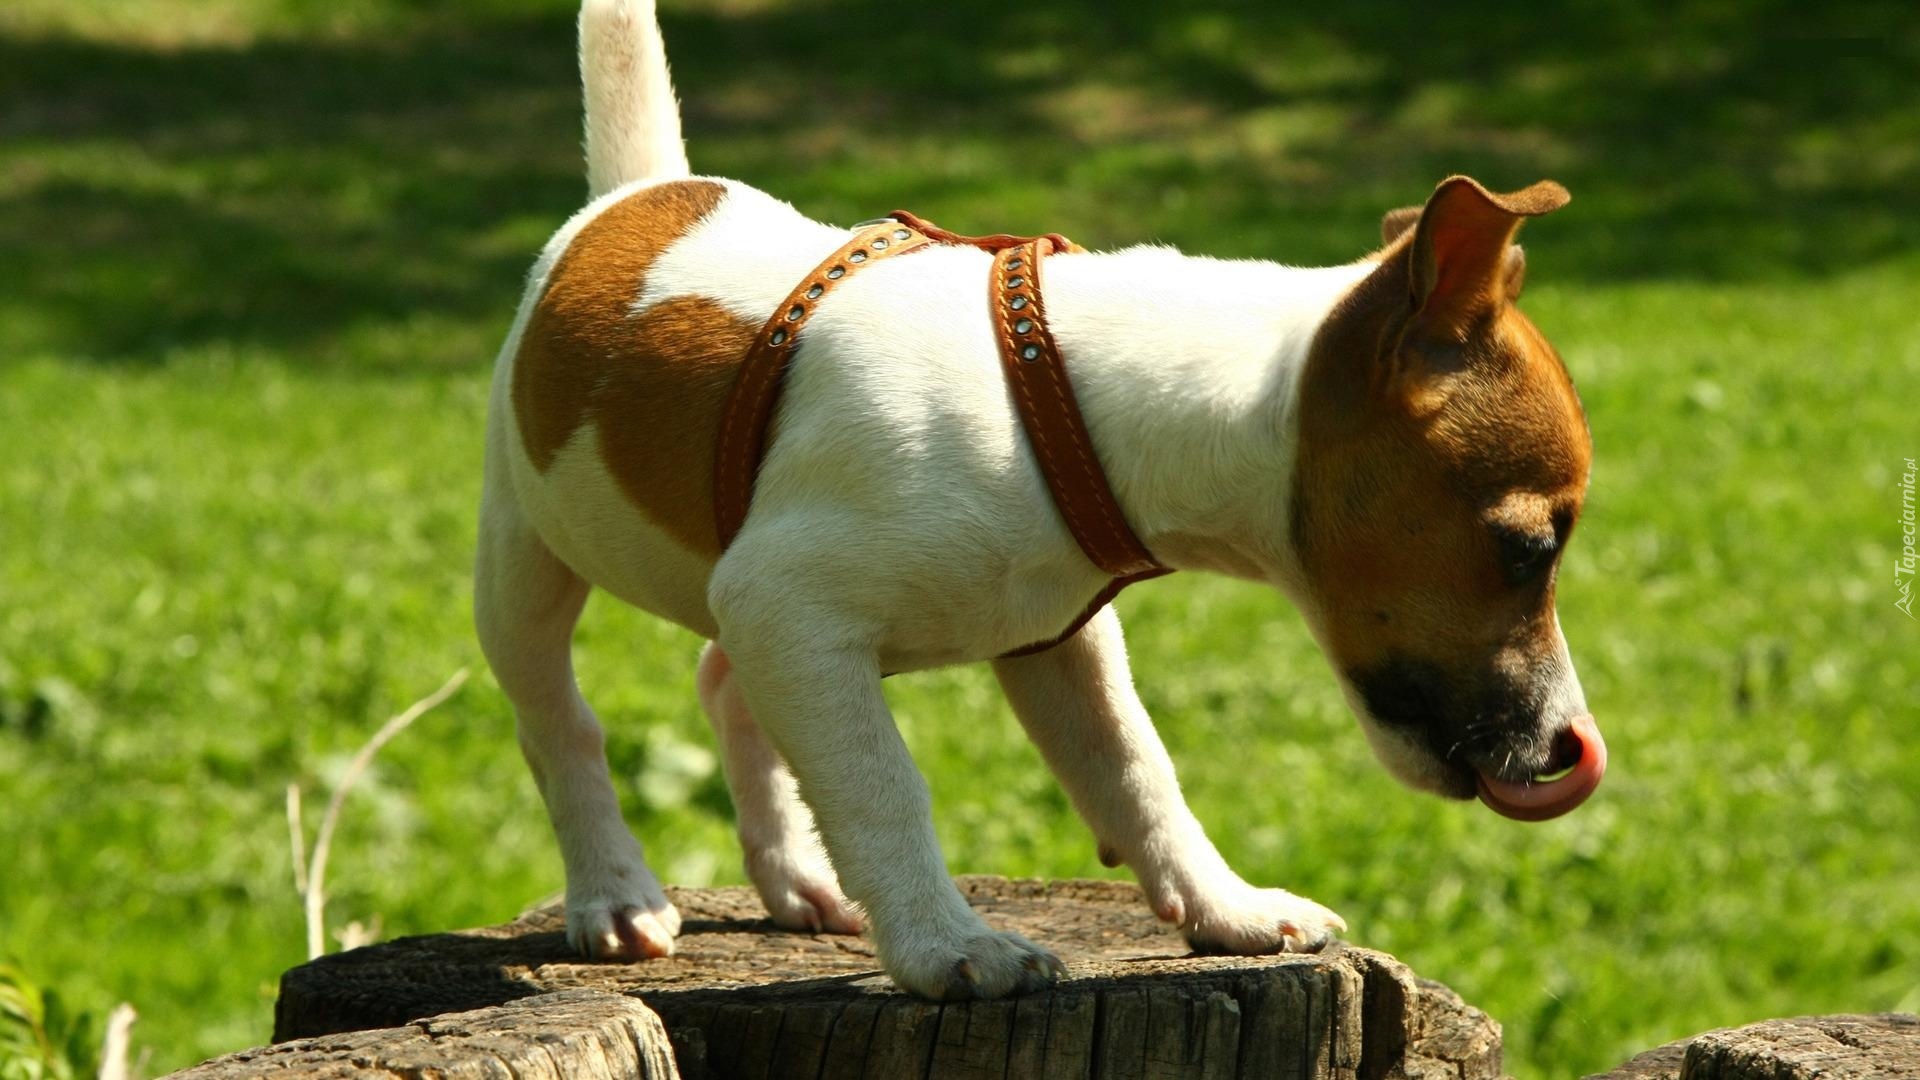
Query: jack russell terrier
pixel 839 454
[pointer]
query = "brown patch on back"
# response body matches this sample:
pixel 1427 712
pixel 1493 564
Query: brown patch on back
pixel 1415 439
pixel 653 384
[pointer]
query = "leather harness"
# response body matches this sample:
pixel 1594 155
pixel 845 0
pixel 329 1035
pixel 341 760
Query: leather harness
pixel 1035 371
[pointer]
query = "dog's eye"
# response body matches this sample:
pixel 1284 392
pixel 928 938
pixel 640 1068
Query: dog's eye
pixel 1524 556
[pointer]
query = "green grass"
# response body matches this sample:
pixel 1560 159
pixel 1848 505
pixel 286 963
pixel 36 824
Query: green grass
pixel 258 254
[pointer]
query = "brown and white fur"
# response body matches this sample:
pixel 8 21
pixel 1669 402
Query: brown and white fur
pixel 1389 442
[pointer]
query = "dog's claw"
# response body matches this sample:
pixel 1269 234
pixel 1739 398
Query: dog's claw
pixel 1047 966
pixel 1297 937
pixel 640 936
pixel 1250 921
pixel 800 892
pixel 983 967
pixel 627 932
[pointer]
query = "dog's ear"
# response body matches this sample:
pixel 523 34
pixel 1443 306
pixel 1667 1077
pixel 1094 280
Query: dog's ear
pixel 1514 274
pixel 1462 258
pixel 1396 222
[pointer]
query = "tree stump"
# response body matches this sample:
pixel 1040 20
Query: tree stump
pixel 742 999
pixel 565 1035
pixel 1881 1047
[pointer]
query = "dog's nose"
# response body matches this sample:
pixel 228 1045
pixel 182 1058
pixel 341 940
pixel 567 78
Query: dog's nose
pixel 1579 751
pixel 1567 749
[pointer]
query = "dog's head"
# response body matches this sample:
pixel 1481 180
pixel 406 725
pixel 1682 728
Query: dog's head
pixel 1442 462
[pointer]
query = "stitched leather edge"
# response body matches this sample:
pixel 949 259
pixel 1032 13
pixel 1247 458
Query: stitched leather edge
pixel 742 441
pixel 1044 392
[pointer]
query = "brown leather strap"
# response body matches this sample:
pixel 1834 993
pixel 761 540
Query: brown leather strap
pixel 749 409
pixel 1100 600
pixel 993 242
pixel 1036 374
pixel 1051 416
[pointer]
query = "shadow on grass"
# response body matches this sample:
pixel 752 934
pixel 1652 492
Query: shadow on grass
pixel 315 197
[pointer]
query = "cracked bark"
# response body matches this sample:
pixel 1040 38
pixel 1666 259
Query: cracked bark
pixel 1881 1047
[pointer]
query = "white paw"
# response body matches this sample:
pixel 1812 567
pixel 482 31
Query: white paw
pixel 1248 921
pixel 986 965
pixel 800 890
pixel 635 923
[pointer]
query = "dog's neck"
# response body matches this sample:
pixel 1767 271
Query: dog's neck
pixel 1187 370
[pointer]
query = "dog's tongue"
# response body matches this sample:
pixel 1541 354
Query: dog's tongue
pixel 1534 800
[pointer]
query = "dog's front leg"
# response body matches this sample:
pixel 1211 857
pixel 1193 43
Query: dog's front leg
pixel 1078 704
pixel 815 689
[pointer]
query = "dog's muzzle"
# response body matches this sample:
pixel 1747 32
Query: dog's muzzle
pixel 1579 761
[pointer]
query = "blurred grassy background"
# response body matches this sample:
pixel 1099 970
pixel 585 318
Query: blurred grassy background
pixel 258 253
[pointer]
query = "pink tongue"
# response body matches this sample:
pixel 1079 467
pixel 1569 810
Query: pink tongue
pixel 1527 800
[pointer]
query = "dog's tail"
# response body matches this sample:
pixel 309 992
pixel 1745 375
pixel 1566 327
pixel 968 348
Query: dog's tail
pixel 633 121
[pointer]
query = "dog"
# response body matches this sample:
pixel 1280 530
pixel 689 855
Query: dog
pixel 1388 442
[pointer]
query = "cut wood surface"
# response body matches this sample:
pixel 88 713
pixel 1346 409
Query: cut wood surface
pixel 743 999
pixel 1880 1047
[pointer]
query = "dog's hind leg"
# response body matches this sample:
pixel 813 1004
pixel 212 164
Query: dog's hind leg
pixel 783 854
pixel 526 602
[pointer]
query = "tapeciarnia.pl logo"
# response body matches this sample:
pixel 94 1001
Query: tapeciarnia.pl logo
pixel 1903 567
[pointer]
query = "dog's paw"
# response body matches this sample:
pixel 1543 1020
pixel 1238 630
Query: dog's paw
pixel 987 965
pixel 1247 921
pixel 801 891
pixel 641 926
